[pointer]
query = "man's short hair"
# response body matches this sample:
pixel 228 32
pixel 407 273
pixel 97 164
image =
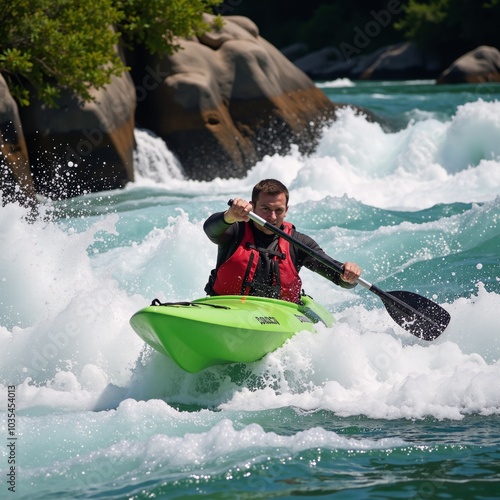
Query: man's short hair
pixel 269 186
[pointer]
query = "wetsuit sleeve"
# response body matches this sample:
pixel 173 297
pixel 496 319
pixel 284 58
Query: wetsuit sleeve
pixel 303 259
pixel 224 235
pixel 218 230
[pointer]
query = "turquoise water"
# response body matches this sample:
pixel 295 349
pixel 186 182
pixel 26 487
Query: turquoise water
pixel 359 410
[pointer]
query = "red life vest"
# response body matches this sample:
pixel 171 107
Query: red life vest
pixel 236 275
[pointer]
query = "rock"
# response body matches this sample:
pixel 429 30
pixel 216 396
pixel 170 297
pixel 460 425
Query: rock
pixel 228 99
pixel 477 66
pixel 394 62
pixel 320 64
pixel 223 102
pixel 404 61
pixel 294 51
pixel 80 148
pixel 16 183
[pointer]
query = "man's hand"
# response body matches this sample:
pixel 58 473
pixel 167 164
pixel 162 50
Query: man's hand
pixel 238 211
pixel 351 273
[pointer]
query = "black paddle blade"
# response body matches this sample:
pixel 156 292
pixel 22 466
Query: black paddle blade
pixel 416 314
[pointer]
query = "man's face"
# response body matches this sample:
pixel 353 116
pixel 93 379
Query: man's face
pixel 272 208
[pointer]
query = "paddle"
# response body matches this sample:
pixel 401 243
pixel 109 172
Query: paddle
pixel 416 314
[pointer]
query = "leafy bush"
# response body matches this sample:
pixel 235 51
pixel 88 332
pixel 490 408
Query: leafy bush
pixel 451 27
pixel 49 45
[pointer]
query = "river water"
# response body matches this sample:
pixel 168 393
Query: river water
pixel 359 410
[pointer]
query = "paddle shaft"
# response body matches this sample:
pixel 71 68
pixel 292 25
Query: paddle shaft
pixel 433 316
pixel 327 262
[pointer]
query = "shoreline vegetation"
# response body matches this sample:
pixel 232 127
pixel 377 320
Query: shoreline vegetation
pixel 45 49
pixel 450 28
pixel 64 71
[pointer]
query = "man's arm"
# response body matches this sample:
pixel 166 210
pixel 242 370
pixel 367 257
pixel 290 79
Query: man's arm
pixel 223 234
pixel 221 228
pixel 306 260
pixel 218 230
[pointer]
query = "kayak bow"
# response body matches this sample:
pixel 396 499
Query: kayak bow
pixel 225 329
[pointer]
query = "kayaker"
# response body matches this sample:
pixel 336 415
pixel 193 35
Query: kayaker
pixel 252 260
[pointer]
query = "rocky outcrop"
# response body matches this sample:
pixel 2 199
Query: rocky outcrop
pixel 82 147
pixel 221 103
pixel 404 61
pixel 401 61
pixel 227 99
pixel 477 66
pixel 15 181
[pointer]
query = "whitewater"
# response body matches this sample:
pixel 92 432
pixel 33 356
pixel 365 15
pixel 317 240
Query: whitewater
pixel 362 409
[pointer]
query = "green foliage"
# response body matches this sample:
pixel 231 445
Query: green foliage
pixel 52 45
pixel 451 27
pixel 156 23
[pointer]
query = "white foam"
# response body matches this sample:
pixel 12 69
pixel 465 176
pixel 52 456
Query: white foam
pixel 65 309
pixel 426 163
pixel 73 348
pixel 367 365
pixel 338 83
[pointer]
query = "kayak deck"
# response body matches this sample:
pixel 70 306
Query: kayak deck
pixel 225 329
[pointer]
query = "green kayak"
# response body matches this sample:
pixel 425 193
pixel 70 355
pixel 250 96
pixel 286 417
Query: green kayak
pixel 224 329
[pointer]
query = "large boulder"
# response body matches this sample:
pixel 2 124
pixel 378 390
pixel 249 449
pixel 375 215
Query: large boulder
pixel 82 147
pixel 403 61
pixel 477 66
pixel 221 103
pixel 226 99
pixel 15 182
pixel 400 61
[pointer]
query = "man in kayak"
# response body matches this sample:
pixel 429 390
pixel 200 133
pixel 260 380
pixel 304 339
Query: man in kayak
pixel 252 260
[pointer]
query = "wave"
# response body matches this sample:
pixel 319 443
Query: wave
pixel 398 203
